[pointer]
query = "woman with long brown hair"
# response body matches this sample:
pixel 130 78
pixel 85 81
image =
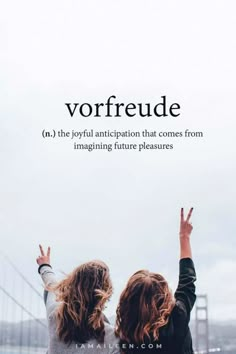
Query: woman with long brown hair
pixel 75 306
pixel 149 317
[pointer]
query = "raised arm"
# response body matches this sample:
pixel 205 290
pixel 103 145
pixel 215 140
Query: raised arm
pixel 185 293
pixel 48 277
pixel 184 235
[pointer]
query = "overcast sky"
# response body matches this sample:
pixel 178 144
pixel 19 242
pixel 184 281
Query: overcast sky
pixel 122 207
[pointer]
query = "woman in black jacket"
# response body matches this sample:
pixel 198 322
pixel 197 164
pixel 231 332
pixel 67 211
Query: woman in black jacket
pixel 149 317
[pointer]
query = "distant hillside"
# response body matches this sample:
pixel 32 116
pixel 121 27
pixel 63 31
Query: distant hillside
pixel 26 333
pixel 221 334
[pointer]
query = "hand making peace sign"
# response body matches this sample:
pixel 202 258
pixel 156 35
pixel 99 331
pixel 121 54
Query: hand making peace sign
pixel 185 226
pixel 44 259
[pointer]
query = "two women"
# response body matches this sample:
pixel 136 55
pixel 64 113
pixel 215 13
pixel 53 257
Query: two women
pixel 149 317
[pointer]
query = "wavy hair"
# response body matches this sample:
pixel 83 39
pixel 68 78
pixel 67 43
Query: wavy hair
pixel 144 307
pixel 82 296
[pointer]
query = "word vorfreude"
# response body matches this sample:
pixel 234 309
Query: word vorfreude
pixel 112 109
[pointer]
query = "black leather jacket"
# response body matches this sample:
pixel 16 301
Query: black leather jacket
pixel 175 336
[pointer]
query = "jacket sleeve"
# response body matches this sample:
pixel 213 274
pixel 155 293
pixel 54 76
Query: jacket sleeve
pixel 185 293
pixel 49 278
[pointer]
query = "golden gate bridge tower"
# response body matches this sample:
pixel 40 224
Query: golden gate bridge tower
pixel 202 326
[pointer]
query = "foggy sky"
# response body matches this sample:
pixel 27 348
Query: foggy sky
pixel 122 207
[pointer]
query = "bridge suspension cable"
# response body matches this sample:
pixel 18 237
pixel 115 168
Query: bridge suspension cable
pixel 21 275
pixel 22 307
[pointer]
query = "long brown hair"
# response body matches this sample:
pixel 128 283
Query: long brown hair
pixel 82 296
pixel 144 307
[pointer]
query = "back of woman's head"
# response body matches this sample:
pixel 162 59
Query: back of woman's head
pixel 82 296
pixel 144 307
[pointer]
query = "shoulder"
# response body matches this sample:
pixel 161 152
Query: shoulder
pixel 179 309
pixel 110 336
pixel 179 318
pixel 179 313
